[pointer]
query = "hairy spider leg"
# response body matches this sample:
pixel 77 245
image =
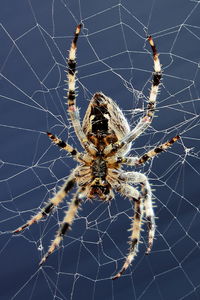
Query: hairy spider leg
pixel 67 222
pixel 146 197
pixel 72 108
pixel 136 161
pixel 150 111
pixel 150 154
pixel 146 194
pixel 149 213
pixel 53 202
pixel 136 227
pixel 78 156
pixel 73 151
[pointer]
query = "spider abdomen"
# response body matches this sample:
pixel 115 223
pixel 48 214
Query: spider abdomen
pixel 104 122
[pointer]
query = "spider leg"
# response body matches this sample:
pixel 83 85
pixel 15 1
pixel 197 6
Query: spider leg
pixel 139 178
pixel 71 96
pixel 151 105
pixel 81 157
pixel 135 161
pixel 66 224
pixel 53 202
pixel 73 151
pixel 136 226
pixel 157 150
pixel 116 161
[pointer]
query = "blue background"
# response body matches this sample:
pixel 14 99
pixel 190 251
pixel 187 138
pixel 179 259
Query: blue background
pixel 113 57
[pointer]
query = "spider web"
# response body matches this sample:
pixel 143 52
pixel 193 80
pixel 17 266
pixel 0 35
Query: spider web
pixel 113 57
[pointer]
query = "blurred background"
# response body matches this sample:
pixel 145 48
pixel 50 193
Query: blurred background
pixel 113 57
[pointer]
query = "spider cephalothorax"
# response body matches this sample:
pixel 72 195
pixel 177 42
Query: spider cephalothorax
pixel 106 138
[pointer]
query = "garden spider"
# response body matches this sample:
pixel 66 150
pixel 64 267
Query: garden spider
pixel 106 138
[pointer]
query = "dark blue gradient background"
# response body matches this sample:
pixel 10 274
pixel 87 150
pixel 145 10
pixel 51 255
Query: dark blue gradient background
pixel 113 57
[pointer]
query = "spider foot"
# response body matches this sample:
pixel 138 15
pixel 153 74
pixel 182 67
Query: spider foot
pixel 150 241
pixel 128 260
pixel 151 226
pixel 43 260
pixel 29 223
pixel 52 248
pixel 18 230
pixel 124 268
pixel 34 219
pixel 148 250
pixel 150 39
pixel 119 273
pixel 78 28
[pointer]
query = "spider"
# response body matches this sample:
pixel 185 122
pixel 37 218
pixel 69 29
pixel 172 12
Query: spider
pixel 106 138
